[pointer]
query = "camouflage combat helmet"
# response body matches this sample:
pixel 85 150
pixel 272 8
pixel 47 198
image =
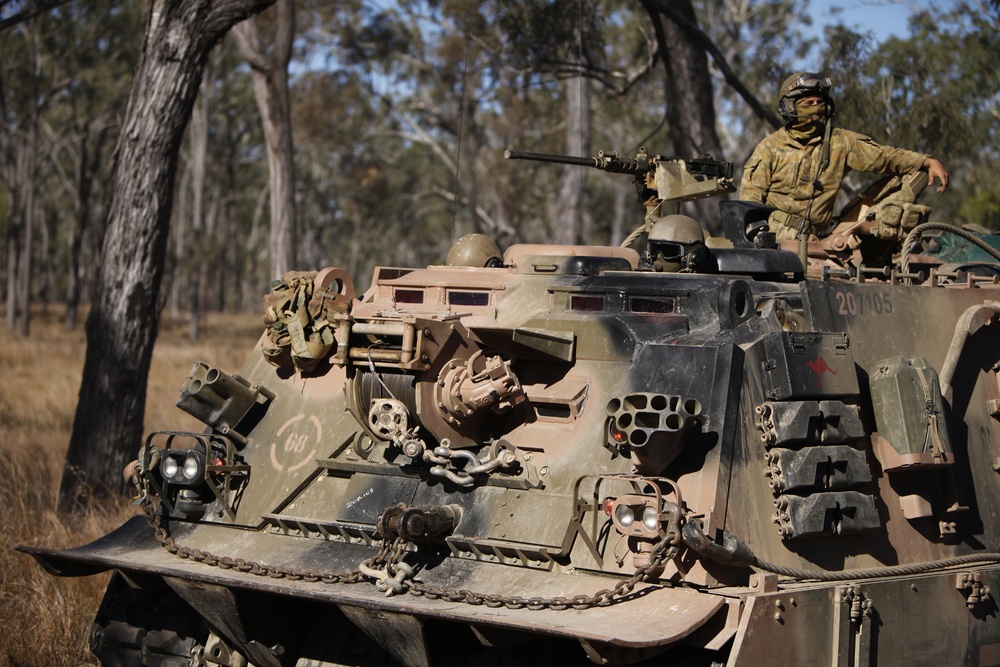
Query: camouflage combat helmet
pixel 673 242
pixel 475 250
pixel 802 84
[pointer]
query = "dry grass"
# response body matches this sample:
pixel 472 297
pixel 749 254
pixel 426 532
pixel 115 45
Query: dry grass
pixel 45 620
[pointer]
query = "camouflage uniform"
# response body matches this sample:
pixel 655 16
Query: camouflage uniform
pixel 781 170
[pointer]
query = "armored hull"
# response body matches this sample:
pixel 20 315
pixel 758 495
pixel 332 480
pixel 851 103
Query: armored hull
pixel 568 456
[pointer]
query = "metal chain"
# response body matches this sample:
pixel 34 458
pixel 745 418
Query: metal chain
pixel 398 575
pixel 162 536
pixel 665 550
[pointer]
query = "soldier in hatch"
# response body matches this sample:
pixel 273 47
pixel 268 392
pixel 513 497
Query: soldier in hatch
pixel 676 243
pixel 799 169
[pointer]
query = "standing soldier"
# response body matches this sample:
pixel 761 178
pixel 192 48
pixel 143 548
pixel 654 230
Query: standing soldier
pixel 799 169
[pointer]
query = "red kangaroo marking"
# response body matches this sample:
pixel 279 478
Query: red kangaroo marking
pixel 819 366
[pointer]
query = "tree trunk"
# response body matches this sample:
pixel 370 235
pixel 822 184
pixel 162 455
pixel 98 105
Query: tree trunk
pixel 24 262
pixel 227 270
pixel 179 234
pixel 87 165
pixel 688 93
pixel 466 184
pixel 192 275
pixel 14 240
pixel 623 205
pixel 569 213
pixel 22 285
pixel 122 324
pixel 269 74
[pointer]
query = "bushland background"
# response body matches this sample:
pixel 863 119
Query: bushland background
pixel 399 113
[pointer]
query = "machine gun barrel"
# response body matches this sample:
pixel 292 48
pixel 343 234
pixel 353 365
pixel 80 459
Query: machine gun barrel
pixel 604 161
pixel 658 179
pixel 549 157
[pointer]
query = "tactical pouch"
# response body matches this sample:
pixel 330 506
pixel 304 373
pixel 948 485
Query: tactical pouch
pixel 909 413
pixel 896 212
pixel 297 316
pixel 895 219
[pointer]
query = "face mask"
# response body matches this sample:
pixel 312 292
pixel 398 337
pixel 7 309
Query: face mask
pixel 810 121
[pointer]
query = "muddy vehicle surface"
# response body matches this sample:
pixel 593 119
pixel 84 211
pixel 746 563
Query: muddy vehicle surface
pixel 691 451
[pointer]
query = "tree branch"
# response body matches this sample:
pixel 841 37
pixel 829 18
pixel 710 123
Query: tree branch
pixel 247 36
pixel 27 13
pixel 285 33
pixel 664 7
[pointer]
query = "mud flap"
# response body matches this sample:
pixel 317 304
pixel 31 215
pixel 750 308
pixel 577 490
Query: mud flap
pixel 400 635
pixel 218 606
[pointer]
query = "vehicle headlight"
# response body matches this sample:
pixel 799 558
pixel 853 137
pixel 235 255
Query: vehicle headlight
pixel 624 515
pixel 650 519
pixel 183 467
pixel 636 515
pixel 169 467
pixel 192 467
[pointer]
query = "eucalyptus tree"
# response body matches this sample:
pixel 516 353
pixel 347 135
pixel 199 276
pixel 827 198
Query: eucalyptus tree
pixel 63 85
pixel 353 177
pixel 653 58
pixel 82 128
pixel 935 91
pixel 586 69
pixel 239 181
pixel 217 254
pixel 123 319
pixel 194 217
pixel 269 60
pixel 458 82
pixel 402 145
pixel 762 42
pixel 27 88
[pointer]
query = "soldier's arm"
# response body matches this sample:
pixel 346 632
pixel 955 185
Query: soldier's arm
pixel 756 178
pixel 936 170
pixel 866 154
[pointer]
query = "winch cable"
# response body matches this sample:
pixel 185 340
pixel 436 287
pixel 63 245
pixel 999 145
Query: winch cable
pixel 371 367
pixel 914 236
pixel 877 572
pixel 734 551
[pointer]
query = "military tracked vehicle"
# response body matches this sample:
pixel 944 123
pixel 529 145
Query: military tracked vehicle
pixel 693 451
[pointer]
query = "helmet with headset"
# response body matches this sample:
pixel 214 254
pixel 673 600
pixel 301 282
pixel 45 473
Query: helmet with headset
pixel 803 84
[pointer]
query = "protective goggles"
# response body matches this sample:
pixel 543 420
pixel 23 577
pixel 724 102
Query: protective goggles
pixel 809 82
pixel 670 251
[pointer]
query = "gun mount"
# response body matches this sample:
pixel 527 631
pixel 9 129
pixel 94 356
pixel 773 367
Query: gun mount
pixel 662 183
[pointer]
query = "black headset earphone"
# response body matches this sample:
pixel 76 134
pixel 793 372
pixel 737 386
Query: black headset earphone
pixel 786 107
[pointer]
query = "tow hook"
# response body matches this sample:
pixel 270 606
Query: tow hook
pixel 397 583
pixel 417 524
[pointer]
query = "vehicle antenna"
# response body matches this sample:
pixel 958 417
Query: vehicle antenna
pixel 455 231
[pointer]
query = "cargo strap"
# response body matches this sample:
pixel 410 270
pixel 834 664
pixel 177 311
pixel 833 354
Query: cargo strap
pixel 793 221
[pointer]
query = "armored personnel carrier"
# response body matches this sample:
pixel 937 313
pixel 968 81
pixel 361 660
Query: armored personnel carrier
pixel 693 451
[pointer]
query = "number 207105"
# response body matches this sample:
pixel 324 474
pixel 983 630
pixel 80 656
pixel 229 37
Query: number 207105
pixel 872 303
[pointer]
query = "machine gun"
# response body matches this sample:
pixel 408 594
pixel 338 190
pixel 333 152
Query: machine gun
pixel 663 183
